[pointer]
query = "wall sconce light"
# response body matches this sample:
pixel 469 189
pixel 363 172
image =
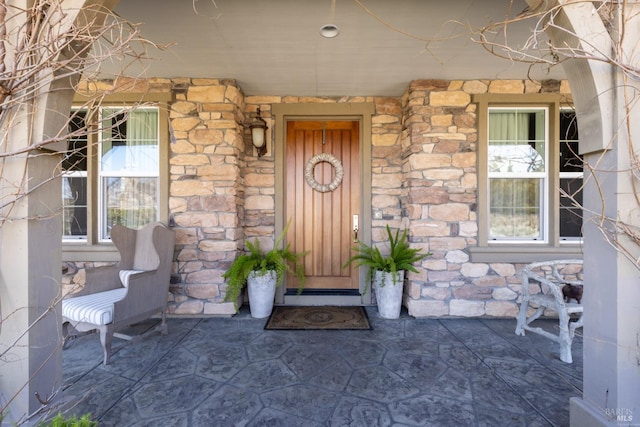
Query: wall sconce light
pixel 259 134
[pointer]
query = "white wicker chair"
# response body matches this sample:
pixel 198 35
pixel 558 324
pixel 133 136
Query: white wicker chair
pixel 551 277
pixel 117 296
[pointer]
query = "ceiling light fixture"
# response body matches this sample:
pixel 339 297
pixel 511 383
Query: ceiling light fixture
pixel 329 31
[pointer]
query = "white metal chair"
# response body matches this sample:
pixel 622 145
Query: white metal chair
pixel 117 296
pixel 551 277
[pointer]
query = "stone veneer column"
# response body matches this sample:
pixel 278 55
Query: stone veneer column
pixel 206 191
pixel 260 177
pixel 440 174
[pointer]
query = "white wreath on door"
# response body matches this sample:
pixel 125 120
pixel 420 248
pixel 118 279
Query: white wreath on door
pixel 311 180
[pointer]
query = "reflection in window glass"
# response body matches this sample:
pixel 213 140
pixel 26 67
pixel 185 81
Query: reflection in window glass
pixel 130 201
pixel 515 208
pixel 517 141
pixel 130 144
pixel 571 174
pixel 74 180
pixel 129 168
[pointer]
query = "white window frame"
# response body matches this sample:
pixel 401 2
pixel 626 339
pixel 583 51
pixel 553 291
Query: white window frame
pixel 569 175
pixel 543 177
pixel 488 250
pixel 102 250
pixel 76 174
pixel 101 175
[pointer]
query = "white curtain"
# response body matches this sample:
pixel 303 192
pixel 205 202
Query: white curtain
pixel 142 141
pixel 508 127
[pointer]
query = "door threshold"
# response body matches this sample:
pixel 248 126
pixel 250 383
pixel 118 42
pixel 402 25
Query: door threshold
pixel 350 292
pixel 323 297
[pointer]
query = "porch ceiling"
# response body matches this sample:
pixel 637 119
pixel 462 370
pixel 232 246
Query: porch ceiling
pixel 273 47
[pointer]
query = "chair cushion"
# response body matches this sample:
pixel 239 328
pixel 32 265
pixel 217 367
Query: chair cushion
pixel 125 274
pixel 95 308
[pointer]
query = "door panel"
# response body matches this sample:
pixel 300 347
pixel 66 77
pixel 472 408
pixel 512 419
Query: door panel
pixel 321 222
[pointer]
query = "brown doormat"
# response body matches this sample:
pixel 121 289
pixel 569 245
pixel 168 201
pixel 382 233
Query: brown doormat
pixel 318 317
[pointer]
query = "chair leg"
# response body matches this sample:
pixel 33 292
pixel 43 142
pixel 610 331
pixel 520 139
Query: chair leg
pixel 575 325
pixel 522 317
pixel 565 337
pixel 106 337
pixel 66 338
pixel 164 328
pixel 71 333
pixel 565 346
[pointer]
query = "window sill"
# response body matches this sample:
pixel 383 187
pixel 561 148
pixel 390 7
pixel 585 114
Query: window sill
pixel 519 253
pixel 81 251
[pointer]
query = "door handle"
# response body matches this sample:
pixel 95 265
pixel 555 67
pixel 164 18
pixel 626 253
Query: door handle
pixel 355 228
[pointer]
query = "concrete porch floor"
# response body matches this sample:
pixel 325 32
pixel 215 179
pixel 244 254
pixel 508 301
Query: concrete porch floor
pixel 407 372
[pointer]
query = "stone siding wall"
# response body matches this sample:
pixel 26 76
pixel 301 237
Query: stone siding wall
pixel 424 178
pixel 386 168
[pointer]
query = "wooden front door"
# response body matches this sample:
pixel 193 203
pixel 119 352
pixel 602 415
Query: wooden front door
pixel 322 217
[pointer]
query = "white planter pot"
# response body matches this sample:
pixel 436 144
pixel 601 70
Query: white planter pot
pixel 388 295
pixel 262 291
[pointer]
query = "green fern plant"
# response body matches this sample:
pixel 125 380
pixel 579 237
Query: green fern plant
pixel 256 259
pixel 61 421
pixel 401 256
